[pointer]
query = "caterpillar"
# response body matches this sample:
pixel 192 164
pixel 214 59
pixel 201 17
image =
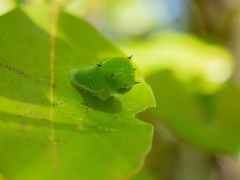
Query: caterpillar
pixel 104 79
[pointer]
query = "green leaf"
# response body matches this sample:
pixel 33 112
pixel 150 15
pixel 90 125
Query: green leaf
pixel 210 122
pixel 49 130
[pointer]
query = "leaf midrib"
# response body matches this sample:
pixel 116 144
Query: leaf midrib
pixel 53 30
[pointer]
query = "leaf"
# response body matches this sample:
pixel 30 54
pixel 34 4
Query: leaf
pixel 49 130
pixel 188 57
pixel 210 122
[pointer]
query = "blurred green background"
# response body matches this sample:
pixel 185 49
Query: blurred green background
pixel 188 52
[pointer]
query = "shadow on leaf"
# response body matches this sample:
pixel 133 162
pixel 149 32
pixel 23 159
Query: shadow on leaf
pixel 111 105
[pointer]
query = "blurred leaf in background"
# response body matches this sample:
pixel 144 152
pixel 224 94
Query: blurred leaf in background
pixel 125 20
pixel 6 6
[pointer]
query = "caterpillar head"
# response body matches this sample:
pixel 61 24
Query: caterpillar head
pixel 119 74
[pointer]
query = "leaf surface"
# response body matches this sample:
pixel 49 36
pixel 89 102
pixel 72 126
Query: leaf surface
pixel 49 130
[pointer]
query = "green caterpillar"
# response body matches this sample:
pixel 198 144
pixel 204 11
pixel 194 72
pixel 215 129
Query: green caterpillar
pixel 112 75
